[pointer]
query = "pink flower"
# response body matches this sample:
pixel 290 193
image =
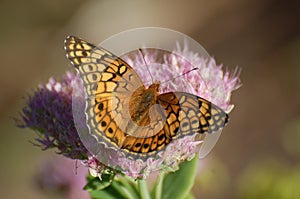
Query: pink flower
pixel 61 175
pixel 48 111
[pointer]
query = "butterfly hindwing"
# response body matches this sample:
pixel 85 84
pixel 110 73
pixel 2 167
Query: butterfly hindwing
pixel 188 114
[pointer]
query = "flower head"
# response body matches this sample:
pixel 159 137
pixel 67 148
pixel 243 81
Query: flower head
pixel 48 111
pixel 208 81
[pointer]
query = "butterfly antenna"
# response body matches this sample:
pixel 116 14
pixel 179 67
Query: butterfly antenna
pixel 180 75
pixel 143 56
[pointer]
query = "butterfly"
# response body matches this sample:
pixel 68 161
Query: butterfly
pixel 128 116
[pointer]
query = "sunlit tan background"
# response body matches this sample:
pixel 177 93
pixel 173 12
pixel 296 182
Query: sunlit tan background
pixel 258 155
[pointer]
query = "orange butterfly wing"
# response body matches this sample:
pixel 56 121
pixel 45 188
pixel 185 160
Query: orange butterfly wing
pixel 189 114
pixel 110 83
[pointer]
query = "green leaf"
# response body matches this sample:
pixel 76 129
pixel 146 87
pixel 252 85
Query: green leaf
pixel 130 185
pixel 112 188
pixel 125 187
pixel 114 191
pixel 177 185
pixel 102 194
pixel 94 183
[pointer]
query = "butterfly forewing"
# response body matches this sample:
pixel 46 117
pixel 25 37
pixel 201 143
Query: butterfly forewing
pixel 109 83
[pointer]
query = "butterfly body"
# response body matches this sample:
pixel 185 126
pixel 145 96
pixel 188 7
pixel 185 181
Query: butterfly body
pixel 140 103
pixel 125 115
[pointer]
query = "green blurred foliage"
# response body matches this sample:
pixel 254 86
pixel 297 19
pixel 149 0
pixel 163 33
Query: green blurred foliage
pixel 212 179
pixel 270 179
pixel 274 178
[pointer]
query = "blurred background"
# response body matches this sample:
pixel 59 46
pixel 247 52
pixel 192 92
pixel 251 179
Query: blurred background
pixel 258 154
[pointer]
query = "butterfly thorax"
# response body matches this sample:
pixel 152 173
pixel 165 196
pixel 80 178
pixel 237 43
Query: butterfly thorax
pixel 141 102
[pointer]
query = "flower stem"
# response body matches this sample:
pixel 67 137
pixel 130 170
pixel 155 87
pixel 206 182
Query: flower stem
pixel 159 185
pixel 142 186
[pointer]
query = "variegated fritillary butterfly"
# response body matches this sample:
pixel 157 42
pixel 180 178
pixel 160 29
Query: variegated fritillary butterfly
pixel 130 117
